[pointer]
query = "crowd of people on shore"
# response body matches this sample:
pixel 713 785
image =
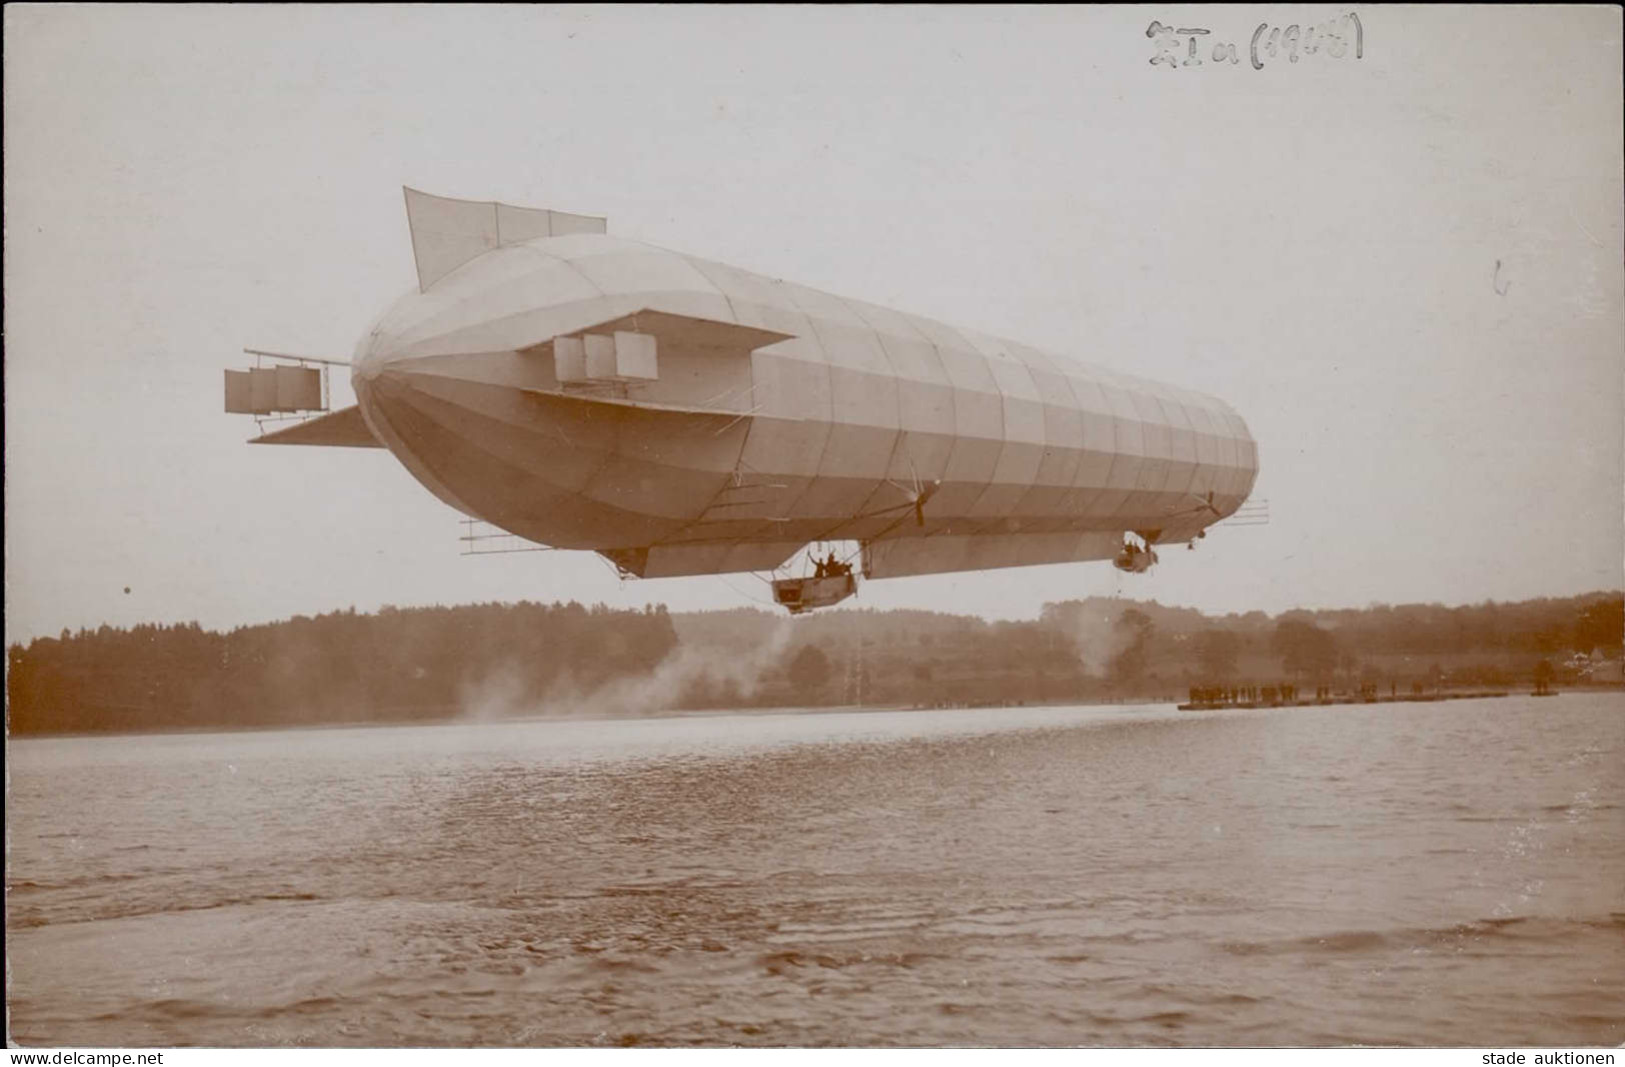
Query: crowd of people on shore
pixel 1220 695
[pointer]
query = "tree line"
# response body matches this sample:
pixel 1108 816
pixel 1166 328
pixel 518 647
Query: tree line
pixel 431 663
pixel 395 665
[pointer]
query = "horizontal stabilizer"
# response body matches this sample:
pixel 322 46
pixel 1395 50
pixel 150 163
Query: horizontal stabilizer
pixel 344 428
pixel 689 332
pixel 447 233
pixel 681 332
pixel 628 348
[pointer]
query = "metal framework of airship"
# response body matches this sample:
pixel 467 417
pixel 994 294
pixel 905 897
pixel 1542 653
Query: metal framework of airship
pixel 684 417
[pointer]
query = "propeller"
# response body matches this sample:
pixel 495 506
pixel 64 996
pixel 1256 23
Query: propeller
pixel 917 496
pixel 1203 503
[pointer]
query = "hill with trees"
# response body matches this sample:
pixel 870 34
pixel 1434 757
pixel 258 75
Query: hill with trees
pixel 429 664
pixel 396 665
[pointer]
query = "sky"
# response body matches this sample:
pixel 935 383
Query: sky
pixel 1404 270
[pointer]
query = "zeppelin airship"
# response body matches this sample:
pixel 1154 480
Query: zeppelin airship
pixel 683 417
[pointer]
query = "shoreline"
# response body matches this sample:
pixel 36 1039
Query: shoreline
pixel 1330 702
pixel 821 709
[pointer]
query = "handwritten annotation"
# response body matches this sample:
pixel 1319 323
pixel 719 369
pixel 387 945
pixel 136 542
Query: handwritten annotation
pixel 1187 47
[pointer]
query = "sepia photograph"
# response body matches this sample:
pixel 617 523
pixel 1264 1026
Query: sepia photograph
pixel 815 527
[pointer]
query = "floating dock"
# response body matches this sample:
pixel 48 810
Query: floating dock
pixel 1351 698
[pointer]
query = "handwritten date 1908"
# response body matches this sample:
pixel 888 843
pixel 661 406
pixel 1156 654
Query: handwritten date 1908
pixel 1186 47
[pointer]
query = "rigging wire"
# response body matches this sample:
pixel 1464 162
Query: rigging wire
pixel 744 593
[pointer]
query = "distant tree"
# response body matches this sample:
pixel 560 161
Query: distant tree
pixel 1134 631
pixel 1304 648
pixel 809 668
pixel 1601 625
pixel 1217 651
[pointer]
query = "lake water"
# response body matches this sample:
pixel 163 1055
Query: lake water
pixel 1447 873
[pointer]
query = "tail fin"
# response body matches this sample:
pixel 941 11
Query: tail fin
pixel 447 233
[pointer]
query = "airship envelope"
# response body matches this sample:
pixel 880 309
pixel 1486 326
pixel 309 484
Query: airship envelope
pixel 681 416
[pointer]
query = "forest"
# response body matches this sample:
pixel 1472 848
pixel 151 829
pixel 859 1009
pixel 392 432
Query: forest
pixel 396 665
pixel 531 659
